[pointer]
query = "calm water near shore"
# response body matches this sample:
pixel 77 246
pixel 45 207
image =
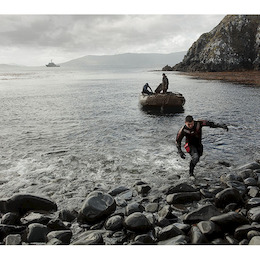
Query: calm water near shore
pixel 64 132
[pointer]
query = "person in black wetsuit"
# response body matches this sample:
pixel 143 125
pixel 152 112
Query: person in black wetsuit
pixel 192 130
pixel 147 89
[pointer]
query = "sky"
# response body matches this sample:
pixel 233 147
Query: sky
pixel 33 37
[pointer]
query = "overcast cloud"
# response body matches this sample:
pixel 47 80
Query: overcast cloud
pixel 35 39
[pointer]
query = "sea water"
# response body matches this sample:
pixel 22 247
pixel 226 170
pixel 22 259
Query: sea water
pixel 65 132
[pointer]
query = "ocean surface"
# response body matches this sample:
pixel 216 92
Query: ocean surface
pixel 65 132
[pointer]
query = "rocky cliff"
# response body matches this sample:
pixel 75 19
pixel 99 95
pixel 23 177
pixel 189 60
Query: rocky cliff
pixel 234 44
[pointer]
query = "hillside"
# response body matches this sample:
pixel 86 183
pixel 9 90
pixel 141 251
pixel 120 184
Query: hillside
pixel 233 45
pixel 128 60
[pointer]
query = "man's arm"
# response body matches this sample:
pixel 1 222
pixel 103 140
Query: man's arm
pixel 213 125
pixel 179 138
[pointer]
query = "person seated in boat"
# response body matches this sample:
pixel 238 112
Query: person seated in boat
pixel 165 83
pixel 147 89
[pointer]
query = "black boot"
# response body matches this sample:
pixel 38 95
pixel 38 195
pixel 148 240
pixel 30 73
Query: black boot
pixel 192 166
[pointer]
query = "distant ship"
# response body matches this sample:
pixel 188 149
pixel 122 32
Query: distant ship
pixel 51 64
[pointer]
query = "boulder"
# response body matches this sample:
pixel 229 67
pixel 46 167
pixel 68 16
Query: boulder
pixel 118 190
pixel 97 206
pixel 250 181
pixel 13 240
pixel 152 207
pixel 242 231
pixel 181 187
pixel 145 239
pixel 143 189
pixel 240 186
pixel 133 207
pixel 252 233
pixel 11 218
pixel 209 229
pixel 89 238
pixel 227 196
pixel 37 233
pixel 253 202
pixel 197 237
pixel 68 215
pixel 56 224
pixel 254 214
pixel 250 166
pixel 255 240
pixel 169 232
pixel 6 230
pixel 201 214
pixel 178 240
pixel 32 217
pixel 253 191
pixel 183 197
pixel 229 221
pixel 137 222
pixel 114 223
pixel 22 203
pixel 62 235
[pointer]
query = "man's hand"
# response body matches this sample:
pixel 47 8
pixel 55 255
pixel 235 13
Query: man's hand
pixel 224 126
pixel 182 154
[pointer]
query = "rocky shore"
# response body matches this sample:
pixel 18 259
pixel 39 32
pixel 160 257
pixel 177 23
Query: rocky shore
pixel 240 77
pixel 188 212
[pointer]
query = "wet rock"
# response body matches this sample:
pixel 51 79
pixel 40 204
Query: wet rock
pixel 242 231
pixel 145 239
pixel 54 241
pixel 63 235
pixel 166 216
pixel 244 242
pixel 143 189
pixel 133 207
pixel 253 191
pixel 35 218
pixel 253 202
pixel 152 207
pixel 11 218
pixel 252 234
pixel 183 227
pixel 226 197
pixel 126 195
pixel 251 166
pixel 178 240
pixel 89 238
pixel 182 187
pixel 22 203
pixel 120 202
pixel 197 237
pixel 209 229
pixel 254 214
pixel 250 181
pixel 201 214
pixel 206 193
pixel 13 239
pixel 169 232
pixel 118 190
pixel 244 174
pixel 37 233
pixel 231 240
pixel 138 222
pixel 68 215
pixel 230 207
pixel 183 197
pixel 255 240
pixel 228 177
pixel 240 186
pixel 56 224
pixel 114 223
pixel 10 229
pixel 230 221
pixel 97 206
pixel 219 241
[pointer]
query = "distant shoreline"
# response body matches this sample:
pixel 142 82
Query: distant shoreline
pixel 240 77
